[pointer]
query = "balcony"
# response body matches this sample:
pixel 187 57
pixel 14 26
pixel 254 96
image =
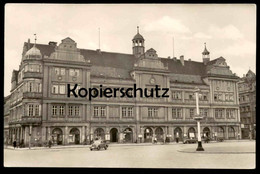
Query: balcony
pixel 35 95
pixel 31 120
pixel 37 75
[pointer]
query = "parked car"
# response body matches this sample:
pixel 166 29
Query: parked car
pixel 98 144
pixel 189 140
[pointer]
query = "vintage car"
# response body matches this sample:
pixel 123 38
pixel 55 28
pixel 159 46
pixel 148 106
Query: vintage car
pixel 98 144
pixel 189 140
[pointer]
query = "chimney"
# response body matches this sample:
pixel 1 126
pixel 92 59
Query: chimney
pixel 53 43
pixel 182 59
pixel 169 57
pixel 28 44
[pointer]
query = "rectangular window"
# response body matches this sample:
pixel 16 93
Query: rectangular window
pixel 176 95
pixel 130 111
pixel 30 110
pixel 36 110
pixel 61 110
pixel 123 111
pixel 55 89
pixel 76 110
pixel 95 111
pixel 179 115
pixel 57 71
pixel 231 97
pixel 30 87
pixel 150 112
pixel 174 113
pixel 74 72
pixel 155 112
pixel 62 71
pixel 102 111
pixel 70 110
pixel 191 113
pixel 62 89
pixel 76 90
pixel 54 110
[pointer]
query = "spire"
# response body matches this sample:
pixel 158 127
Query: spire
pixel 205 52
pixel 138 29
pixel 35 38
pixel 205 55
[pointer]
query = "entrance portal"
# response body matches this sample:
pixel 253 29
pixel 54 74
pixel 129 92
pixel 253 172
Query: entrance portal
pixel 178 133
pixel 57 136
pixel 159 134
pixel 148 134
pixel 128 135
pixel 206 132
pixel 113 135
pixel 74 136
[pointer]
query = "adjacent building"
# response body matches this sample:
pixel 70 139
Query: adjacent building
pixel 247 100
pixel 6 118
pixel 40 109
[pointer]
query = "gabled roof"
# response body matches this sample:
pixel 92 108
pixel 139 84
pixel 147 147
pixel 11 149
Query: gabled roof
pixel 119 65
pixel 45 49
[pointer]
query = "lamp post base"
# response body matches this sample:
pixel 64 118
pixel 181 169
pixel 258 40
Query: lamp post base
pixel 199 148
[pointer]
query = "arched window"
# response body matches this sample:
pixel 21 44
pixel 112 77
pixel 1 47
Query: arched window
pixel 231 132
pixel 220 132
pixel 99 132
pixel 191 133
pixel 159 134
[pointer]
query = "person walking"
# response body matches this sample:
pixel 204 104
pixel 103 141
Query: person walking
pixel 14 144
pixel 49 143
pixel 177 137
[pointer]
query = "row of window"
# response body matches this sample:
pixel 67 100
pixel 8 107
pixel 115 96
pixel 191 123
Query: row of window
pixel 230 113
pixel 244 98
pixel 33 68
pixel 246 120
pixel 33 110
pixel 32 86
pixel 73 110
pixel 127 111
pixel 99 111
pixel 245 109
pixel 219 96
pixel 62 71
pixel 152 112
pixel 61 89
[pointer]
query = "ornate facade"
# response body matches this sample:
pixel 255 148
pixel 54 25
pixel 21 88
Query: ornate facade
pixel 247 100
pixel 40 109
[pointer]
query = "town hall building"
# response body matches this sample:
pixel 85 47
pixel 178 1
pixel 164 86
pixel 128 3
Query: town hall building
pixel 40 109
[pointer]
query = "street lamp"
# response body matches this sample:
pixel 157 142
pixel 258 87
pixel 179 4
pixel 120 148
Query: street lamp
pixel 198 118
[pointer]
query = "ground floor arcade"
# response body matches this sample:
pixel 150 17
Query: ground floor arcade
pixel 79 133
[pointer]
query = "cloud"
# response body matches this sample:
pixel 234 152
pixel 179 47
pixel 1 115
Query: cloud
pixel 186 37
pixel 227 32
pixel 200 35
pixel 168 25
pixel 242 48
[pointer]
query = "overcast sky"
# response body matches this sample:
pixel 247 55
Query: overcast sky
pixel 228 30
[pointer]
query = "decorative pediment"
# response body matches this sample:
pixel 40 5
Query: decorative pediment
pixel 67 50
pixel 151 53
pixel 221 62
pixel 67 44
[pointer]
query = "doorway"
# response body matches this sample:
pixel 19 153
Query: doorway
pixel 113 135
